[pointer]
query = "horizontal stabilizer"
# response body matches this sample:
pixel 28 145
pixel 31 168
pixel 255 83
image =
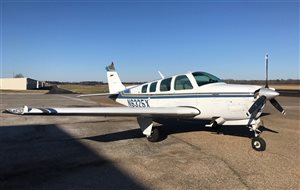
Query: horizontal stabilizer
pixel 110 111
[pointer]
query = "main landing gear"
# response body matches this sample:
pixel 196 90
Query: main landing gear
pixel 155 135
pixel 146 125
pixel 258 143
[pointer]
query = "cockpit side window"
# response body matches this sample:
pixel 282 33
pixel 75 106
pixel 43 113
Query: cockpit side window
pixel 165 85
pixel 182 82
pixel 203 78
pixel 144 88
pixel 153 87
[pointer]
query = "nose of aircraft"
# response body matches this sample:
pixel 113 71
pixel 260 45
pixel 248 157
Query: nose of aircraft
pixel 268 93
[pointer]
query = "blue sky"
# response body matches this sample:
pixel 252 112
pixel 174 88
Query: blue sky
pixel 75 40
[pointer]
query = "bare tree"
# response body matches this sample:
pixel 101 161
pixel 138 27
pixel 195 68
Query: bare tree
pixel 20 75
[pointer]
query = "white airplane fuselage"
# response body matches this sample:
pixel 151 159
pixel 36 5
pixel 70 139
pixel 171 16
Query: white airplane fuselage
pixel 214 100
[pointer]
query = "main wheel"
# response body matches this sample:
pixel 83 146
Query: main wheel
pixel 217 128
pixel 258 144
pixel 154 137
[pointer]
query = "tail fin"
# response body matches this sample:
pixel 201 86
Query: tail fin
pixel 114 83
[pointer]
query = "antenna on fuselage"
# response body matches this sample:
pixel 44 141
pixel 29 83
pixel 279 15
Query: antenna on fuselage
pixel 161 75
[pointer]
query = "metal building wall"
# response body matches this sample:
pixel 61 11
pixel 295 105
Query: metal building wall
pixel 32 84
pixel 13 84
pixel 19 84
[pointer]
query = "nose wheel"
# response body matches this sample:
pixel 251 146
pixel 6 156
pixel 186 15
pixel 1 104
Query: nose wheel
pixel 258 144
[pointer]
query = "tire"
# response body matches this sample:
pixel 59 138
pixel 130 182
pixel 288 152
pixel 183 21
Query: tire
pixel 258 144
pixel 217 128
pixel 154 137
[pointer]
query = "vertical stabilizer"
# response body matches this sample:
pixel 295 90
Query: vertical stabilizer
pixel 114 83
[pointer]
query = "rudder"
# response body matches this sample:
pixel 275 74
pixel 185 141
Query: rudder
pixel 114 83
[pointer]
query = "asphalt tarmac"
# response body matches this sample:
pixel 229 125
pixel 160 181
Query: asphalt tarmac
pixel 76 152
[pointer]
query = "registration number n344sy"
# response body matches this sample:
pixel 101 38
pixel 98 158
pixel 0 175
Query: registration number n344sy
pixel 141 103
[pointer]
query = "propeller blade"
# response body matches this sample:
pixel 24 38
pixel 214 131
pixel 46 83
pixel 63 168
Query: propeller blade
pixel 267 70
pixel 257 104
pixel 277 106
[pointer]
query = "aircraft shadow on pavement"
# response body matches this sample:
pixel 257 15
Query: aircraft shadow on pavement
pixel 46 157
pixel 117 136
pixel 169 127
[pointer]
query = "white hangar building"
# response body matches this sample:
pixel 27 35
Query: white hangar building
pixel 20 84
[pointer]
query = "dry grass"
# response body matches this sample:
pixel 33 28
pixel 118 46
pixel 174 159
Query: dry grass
pixel 84 89
pixel 286 87
pixel 25 91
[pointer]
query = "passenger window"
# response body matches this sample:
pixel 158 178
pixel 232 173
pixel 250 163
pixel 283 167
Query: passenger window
pixel 127 91
pixel 144 88
pixel 153 87
pixel 165 84
pixel 182 82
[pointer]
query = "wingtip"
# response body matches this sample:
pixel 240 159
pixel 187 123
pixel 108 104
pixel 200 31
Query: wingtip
pixel 17 111
pixel 5 111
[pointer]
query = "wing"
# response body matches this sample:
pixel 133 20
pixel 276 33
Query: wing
pixel 110 111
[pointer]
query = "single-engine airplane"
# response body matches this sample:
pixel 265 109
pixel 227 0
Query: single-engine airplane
pixel 194 95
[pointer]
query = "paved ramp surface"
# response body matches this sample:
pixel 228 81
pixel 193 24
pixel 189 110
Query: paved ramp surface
pixel 73 152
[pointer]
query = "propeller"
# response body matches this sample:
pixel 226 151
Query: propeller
pixel 277 105
pixel 265 94
pixel 267 70
pixel 258 104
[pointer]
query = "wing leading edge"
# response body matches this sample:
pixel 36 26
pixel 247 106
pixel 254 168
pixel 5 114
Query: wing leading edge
pixel 110 111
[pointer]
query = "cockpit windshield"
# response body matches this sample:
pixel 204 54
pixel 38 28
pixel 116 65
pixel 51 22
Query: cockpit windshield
pixel 203 78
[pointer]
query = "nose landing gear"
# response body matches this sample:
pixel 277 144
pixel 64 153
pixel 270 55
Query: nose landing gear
pixel 258 143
